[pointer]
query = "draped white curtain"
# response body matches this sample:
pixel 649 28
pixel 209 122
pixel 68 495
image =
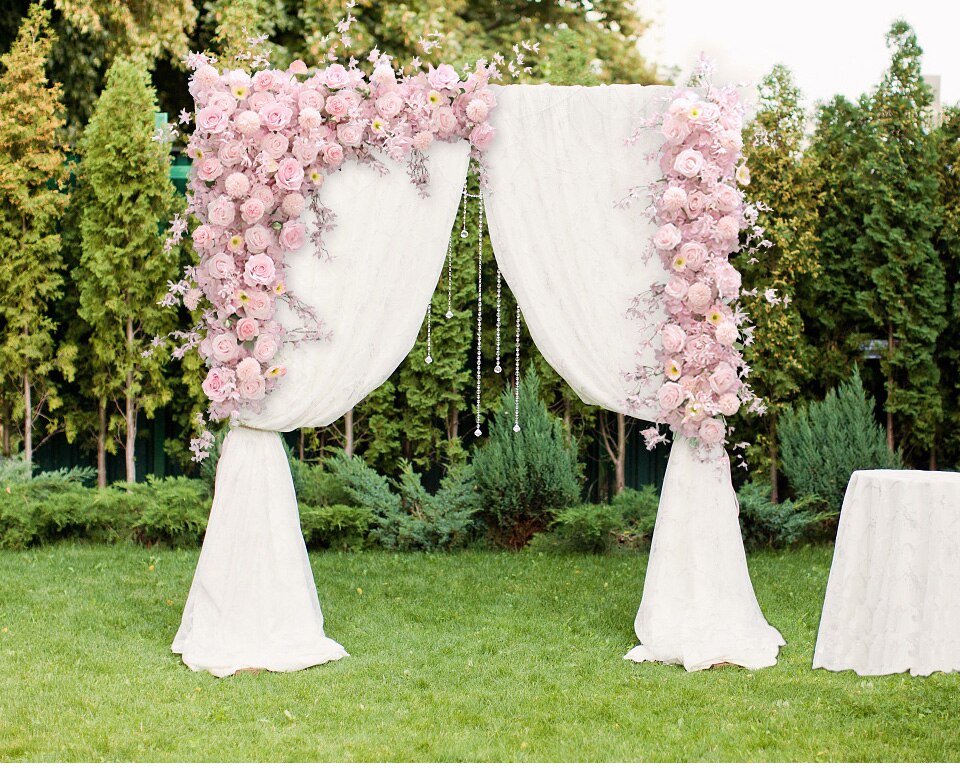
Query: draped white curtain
pixel 253 602
pixel 557 166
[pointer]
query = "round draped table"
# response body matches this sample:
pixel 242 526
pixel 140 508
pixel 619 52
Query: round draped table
pixel 893 597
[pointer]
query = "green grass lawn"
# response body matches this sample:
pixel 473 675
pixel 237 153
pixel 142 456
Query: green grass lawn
pixel 475 656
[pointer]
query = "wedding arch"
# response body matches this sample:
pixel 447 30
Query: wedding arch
pixel 635 307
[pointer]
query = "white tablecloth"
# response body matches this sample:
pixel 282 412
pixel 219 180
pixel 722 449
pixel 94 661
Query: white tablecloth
pixel 893 597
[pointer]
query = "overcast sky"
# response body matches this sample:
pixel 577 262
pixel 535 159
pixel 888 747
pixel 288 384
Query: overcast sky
pixel 832 46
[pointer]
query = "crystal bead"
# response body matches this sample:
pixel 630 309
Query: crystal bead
pixel 516 429
pixel 428 359
pixel 497 369
pixel 448 315
pixel 478 432
pixel 464 234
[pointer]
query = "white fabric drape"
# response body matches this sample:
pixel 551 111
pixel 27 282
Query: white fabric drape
pixel 253 602
pixel 557 166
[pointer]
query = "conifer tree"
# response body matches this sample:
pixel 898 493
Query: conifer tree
pixel 905 299
pixel 782 179
pixel 31 200
pixel 123 270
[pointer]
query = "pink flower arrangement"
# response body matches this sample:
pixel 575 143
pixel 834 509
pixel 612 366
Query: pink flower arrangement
pixel 700 213
pixel 262 146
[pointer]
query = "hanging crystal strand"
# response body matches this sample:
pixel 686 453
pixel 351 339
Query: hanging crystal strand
pixel 479 432
pixel 497 369
pixel 449 312
pixel 429 358
pixel 516 377
pixel 463 227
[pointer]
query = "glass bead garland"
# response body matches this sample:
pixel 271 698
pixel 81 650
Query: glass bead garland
pixel 497 368
pixel 516 377
pixel 478 431
pixel 429 358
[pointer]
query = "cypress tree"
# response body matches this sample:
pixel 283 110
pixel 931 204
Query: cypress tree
pixel 31 200
pixel 905 299
pixel 123 270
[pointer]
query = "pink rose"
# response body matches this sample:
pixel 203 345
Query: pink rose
pixel 383 75
pixel 699 296
pixel 667 237
pixel 350 134
pixel 447 121
pixel 477 111
pixel 292 205
pixel 689 162
pixel 333 155
pixel 696 201
pixel 221 212
pixel 290 174
pixel 674 198
pixel 695 254
pixel 252 210
pixel 237 185
pixel 263 80
pixel 673 338
pixel 224 347
pixel 727 333
pixel 203 237
pixel 729 404
pixel 305 151
pixel 292 235
pixel 704 112
pixel 247 122
pixel 481 136
pixel 389 104
pixel 219 384
pixel 212 119
pixel 724 379
pixel 336 77
pixel 337 106
pixel 265 348
pixel 220 266
pixel 670 396
pixel 675 130
pixel 259 100
pixel 727 198
pixel 247 329
pixel 731 140
pixel 209 168
pixel 258 238
pixel 310 118
pixel 253 389
pixel 676 287
pixel 444 77
pixel 712 431
pixel 679 106
pixel 259 305
pixel 264 194
pixel 275 116
pixel 248 368
pixel 310 98
pixel 230 152
pixel 274 145
pixel 259 270
pixel 728 281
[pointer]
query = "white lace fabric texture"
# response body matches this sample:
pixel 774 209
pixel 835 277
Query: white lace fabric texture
pixel 892 603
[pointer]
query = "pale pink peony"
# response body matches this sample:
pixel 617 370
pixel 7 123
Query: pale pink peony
pixel 667 237
pixel 259 270
pixel 728 281
pixel 310 98
pixel 252 210
pixel 248 368
pixel 689 162
pixel 481 136
pixel 248 329
pixel 724 378
pixel 310 118
pixel 712 431
pixel 221 212
pixel 264 194
pixel 727 198
pixel 237 185
pixel 265 348
pixel 293 204
pixel 670 396
pixel 729 404
pixel 673 338
pixel 305 151
pixel 219 384
pixel 383 75
pixel 293 235
pixel 699 296
pixel 443 77
pixel 676 287
pixel 224 347
pixel 290 174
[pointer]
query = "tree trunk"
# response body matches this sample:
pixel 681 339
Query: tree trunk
pixel 453 423
pixel 933 456
pixel 130 413
pixel 774 460
pixel 102 446
pixel 890 441
pixel 5 430
pixel 28 422
pixel 348 433
pixel 621 463
pixel 567 418
pixel 300 446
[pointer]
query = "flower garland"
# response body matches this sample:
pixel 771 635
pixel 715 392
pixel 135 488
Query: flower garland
pixel 263 144
pixel 701 213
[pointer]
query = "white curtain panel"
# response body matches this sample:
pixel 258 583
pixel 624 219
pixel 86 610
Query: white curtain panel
pixel 557 166
pixel 253 602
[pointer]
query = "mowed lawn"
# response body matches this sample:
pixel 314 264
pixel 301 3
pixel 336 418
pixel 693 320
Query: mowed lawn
pixel 471 656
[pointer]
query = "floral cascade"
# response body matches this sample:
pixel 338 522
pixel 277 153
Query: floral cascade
pixel 263 144
pixel 701 213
